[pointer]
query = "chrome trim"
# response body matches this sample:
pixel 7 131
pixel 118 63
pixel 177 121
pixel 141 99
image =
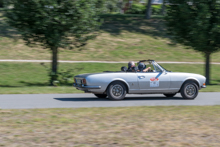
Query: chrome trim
pixel 86 87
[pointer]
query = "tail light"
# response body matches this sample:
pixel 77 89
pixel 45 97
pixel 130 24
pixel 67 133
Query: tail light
pixel 203 84
pixel 74 80
pixel 84 81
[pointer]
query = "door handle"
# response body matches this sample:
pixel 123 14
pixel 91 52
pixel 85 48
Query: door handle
pixel 141 77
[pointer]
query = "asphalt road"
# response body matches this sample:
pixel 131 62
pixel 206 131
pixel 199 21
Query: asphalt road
pixel 30 101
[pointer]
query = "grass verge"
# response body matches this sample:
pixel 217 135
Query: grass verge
pixel 30 78
pixel 178 126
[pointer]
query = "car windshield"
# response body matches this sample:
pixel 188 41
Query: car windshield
pixel 155 67
pixel 163 67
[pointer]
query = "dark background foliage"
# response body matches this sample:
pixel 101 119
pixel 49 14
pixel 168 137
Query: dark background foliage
pixel 196 24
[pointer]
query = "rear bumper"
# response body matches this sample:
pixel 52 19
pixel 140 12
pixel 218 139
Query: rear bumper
pixel 85 88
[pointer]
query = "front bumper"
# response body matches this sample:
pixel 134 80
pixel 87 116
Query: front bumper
pixel 203 86
pixel 83 87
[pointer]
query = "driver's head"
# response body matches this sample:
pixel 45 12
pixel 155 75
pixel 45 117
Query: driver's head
pixel 141 66
pixel 131 64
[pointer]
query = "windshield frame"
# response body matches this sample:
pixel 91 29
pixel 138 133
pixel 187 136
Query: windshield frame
pixel 155 64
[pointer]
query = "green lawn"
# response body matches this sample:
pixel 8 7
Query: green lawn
pixel 122 38
pixel 29 78
pixel 176 126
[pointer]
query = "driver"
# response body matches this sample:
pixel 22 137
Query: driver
pixel 142 67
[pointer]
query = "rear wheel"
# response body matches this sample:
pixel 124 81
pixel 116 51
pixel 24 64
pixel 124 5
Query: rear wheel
pixel 189 90
pixel 101 95
pixel 116 91
pixel 170 95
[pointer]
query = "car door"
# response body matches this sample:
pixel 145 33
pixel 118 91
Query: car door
pixel 153 82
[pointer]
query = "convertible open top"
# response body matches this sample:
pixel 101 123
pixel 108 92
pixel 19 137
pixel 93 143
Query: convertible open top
pixel 156 80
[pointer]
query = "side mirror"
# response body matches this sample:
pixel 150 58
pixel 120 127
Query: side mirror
pixel 124 68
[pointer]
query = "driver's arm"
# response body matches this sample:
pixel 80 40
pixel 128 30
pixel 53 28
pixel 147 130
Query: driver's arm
pixel 145 70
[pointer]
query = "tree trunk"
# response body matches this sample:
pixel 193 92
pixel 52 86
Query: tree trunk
pixel 53 76
pixel 120 4
pixel 148 11
pixel 163 8
pixel 207 68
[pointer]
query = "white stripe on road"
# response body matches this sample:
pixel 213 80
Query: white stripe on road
pixel 61 61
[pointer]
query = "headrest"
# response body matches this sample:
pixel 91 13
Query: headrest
pixel 135 68
pixel 124 68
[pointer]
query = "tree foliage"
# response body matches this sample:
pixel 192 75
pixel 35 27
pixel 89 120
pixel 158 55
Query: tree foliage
pixel 55 23
pixel 137 9
pixel 112 6
pixel 1 3
pixel 196 24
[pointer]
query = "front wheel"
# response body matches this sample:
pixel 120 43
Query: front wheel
pixel 100 95
pixel 189 90
pixel 116 91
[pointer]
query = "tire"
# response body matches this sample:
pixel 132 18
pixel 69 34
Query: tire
pixel 100 95
pixel 170 95
pixel 189 90
pixel 116 91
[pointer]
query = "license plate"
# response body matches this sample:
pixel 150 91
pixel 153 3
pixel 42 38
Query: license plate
pixel 78 81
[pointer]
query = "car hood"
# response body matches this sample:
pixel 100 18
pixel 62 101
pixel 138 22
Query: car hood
pixel 185 73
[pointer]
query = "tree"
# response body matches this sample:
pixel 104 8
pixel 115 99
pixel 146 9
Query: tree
pixel 148 10
pixel 1 3
pixel 163 7
pixel 55 24
pixel 196 24
pixel 112 5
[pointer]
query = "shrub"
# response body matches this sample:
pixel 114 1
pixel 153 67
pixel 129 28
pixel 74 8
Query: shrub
pixel 156 9
pixel 64 77
pixel 137 9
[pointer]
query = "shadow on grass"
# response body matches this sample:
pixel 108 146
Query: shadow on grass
pixel 126 99
pixel 6 30
pixel 41 84
pixel 9 86
pixel 115 24
pixel 29 84
pixel 215 82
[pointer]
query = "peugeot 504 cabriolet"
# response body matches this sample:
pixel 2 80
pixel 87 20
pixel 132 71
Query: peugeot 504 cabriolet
pixel 157 80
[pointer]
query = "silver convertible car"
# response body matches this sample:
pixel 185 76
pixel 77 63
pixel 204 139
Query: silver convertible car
pixel 157 80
